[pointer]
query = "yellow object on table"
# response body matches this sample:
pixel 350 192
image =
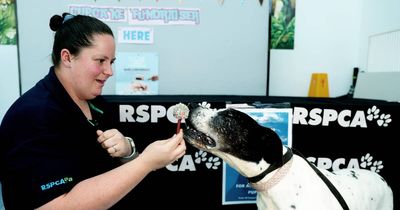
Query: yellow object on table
pixel 319 86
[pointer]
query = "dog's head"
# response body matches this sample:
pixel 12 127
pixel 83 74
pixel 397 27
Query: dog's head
pixel 233 136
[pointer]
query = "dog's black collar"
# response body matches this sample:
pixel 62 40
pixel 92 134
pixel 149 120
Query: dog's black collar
pixel 288 155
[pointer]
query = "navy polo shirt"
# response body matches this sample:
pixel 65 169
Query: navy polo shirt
pixel 47 146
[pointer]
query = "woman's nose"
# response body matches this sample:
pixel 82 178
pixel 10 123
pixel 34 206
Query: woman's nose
pixel 108 70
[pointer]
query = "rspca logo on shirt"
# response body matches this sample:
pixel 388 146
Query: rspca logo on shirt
pixel 62 181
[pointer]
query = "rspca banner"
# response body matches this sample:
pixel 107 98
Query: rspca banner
pixel 331 133
pixel 336 134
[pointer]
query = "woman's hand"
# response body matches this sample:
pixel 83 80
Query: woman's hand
pixel 114 142
pixel 163 152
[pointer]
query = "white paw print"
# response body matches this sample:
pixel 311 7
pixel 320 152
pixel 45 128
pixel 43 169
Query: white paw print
pixel 200 156
pixel 68 179
pixel 205 104
pixel 366 160
pixel 213 162
pixel 373 113
pixel 384 120
pixel 377 166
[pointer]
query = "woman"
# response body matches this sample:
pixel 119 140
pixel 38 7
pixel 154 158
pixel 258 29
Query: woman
pixel 55 152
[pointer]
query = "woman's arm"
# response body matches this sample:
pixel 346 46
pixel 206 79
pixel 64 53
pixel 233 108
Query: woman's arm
pixel 105 190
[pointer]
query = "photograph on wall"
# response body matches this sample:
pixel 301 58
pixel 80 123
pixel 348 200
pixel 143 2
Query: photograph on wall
pixel 136 73
pixel 8 24
pixel 235 187
pixel 283 16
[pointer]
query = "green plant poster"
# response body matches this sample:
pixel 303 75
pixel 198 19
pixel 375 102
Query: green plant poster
pixel 282 24
pixel 8 23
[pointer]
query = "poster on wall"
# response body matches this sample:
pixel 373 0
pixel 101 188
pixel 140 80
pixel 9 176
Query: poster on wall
pixel 9 81
pixel 8 24
pixel 235 187
pixel 136 73
pixel 283 16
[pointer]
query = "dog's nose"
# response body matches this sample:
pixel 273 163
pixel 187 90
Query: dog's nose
pixel 193 105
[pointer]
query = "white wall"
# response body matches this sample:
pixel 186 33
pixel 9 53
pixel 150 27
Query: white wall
pixel 9 82
pixel 229 44
pixel 377 17
pixel 326 40
pixel 331 37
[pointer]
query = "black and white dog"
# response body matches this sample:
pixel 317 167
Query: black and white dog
pixel 283 180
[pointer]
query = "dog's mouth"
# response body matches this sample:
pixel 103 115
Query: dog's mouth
pixel 197 138
pixel 196 124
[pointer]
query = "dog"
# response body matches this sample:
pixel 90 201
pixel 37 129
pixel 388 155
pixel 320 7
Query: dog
pixel 283 180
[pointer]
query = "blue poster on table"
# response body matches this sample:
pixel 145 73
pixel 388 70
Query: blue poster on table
pixel 235 187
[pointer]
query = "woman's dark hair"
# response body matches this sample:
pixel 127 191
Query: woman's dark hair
pixel 74 32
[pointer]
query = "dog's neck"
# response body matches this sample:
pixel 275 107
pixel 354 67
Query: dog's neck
pixel 269 180
pixel 246 168
pixel 276 165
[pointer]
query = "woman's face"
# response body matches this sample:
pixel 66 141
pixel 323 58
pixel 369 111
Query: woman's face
pixel 92 67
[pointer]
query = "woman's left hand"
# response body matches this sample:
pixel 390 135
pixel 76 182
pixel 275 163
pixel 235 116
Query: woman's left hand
pixel 114 142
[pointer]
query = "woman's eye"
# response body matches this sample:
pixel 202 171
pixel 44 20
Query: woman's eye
pixel 101 60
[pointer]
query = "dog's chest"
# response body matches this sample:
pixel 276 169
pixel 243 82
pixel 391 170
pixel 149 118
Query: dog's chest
pixel 303 189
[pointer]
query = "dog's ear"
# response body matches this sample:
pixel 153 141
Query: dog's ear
pixel 272 144
pixel 261 142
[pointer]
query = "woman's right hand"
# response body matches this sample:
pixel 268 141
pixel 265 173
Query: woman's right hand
pixel 163 152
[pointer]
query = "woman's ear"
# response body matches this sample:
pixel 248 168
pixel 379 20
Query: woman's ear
pixel 65 58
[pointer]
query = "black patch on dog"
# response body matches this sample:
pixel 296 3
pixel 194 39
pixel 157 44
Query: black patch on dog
pixel 247 139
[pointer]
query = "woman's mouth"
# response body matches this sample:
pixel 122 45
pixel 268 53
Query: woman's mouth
pixel 101 82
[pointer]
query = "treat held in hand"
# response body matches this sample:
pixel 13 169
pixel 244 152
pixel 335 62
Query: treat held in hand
pixel 180 111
